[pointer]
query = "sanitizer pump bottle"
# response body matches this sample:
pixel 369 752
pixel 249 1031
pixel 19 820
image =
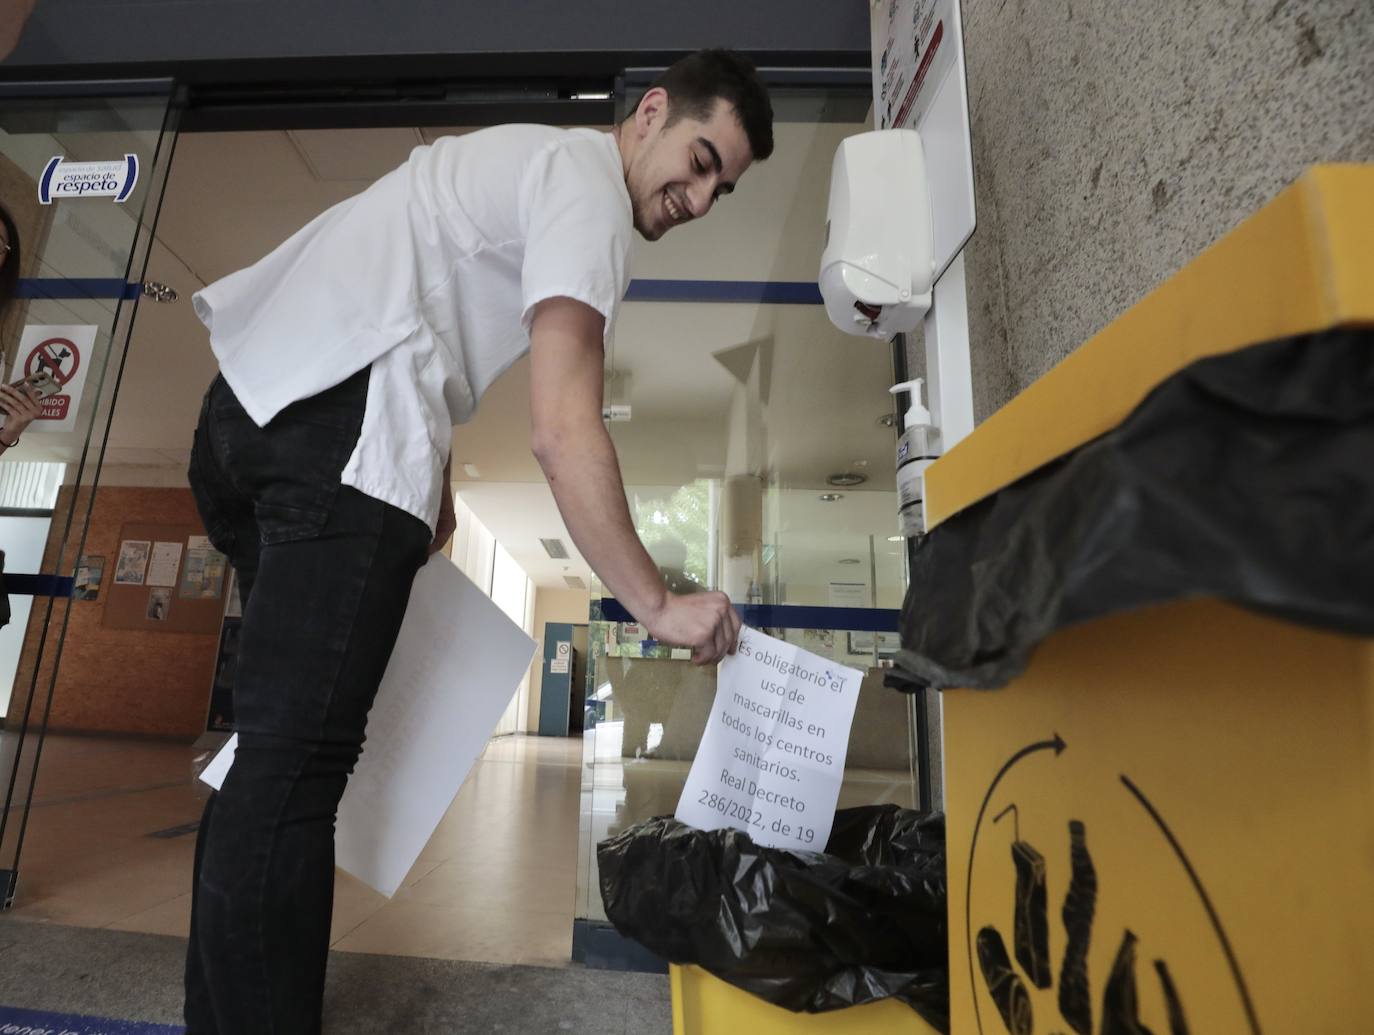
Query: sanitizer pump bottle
pixel 917 449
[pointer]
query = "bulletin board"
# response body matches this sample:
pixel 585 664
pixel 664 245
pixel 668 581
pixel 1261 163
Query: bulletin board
pixel 181 607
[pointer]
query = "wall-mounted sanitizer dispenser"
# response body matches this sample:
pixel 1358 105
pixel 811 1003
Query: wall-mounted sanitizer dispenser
pixel 878 265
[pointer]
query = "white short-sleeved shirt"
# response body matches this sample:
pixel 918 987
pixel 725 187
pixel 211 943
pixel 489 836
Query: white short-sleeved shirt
pixel 431 275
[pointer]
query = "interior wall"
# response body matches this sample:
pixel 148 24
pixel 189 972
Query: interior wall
pixel 1113 142
pixel 121 680
pixel 550 605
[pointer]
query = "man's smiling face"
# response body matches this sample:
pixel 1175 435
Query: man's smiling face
pixel 678 171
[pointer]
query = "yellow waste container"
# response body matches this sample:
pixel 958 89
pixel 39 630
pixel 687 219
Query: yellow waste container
pixel 705 1005
pixel 1168 817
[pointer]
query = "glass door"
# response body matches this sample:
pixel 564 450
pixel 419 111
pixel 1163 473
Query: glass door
pixel 82 168
pixel 758 452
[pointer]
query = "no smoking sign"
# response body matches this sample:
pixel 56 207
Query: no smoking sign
pixel 64 352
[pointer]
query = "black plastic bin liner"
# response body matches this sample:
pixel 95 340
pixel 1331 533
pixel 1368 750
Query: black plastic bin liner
pixel 1247 477
pixel 809 931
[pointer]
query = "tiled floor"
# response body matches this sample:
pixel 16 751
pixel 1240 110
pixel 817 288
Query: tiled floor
pixel 495 884
pixel 102 973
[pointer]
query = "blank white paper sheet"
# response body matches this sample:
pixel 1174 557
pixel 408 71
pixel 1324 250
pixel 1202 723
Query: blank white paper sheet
pixel 456 664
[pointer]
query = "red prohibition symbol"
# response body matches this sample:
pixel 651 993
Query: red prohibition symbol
pixel 57 355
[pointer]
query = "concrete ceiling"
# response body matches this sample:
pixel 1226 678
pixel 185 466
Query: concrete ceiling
pixel 699 378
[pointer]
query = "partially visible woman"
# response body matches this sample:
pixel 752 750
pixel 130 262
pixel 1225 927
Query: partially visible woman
pixel 19 405
pixel 13 15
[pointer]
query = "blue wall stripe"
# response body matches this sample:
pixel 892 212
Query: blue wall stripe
pixel 76 287
pixel 791 616
pixel 38 585
pixel 771 292
pixel 77 1024
pixel 775 292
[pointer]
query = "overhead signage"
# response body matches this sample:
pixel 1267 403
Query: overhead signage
pixel 63 179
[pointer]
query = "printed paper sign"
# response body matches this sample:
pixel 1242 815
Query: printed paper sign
pixel 63 179
pixel 203 576
pixel 772 758
pixel 912 54
pixel 850 594
pixel 166 560
pixel 562 655
pixel 133 562
pixel 65 351
pixel 89 574
pixel 159 603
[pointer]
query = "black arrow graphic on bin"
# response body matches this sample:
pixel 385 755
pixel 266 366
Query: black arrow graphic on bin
pixel 1251 1016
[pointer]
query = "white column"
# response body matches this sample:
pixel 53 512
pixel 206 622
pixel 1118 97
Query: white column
pixel 949 377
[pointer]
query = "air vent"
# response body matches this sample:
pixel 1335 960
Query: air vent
pixel 574 582
pixel 555 549
pixel 847 479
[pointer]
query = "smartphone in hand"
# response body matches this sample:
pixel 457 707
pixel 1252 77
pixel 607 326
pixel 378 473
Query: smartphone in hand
pixel 41 382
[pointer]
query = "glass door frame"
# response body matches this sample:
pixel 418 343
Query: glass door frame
pixel 18 777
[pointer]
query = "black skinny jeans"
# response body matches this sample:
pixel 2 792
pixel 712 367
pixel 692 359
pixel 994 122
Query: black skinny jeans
pixel 325 573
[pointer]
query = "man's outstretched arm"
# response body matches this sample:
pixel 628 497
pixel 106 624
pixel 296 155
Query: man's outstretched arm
pixel 578 458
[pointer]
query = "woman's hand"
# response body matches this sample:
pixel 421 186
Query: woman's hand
pixel 21 405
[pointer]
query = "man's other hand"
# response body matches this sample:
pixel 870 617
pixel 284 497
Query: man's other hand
pixel 444 527
pixel 21 406
pixel 706 622
pixel 446 524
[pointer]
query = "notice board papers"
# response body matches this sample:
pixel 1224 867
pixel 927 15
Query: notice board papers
pixel 456 664
pixel 772 758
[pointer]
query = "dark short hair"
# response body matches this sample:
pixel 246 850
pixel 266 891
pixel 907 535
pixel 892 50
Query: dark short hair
pixel 696 82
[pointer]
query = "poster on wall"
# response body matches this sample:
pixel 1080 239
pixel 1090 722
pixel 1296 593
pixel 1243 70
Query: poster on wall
pixel 850 594
pixel 133 562
pixel 159 603
pixel 64 351
pixel 888 643
pixel 820 642
pixel 162 568
pixel 86 585
pixel 920 83
pixel 915 56
pixel 562 655
pixel 203 576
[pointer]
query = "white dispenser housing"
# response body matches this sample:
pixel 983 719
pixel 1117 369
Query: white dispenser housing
pixel 878 266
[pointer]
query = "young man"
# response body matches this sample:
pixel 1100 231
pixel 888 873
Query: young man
pixel 320 466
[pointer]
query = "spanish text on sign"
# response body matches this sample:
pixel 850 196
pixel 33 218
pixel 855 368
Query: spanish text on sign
pixel 772 758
